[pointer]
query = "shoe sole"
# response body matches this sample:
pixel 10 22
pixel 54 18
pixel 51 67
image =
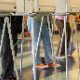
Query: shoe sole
pixel 41 67
pixel 54 66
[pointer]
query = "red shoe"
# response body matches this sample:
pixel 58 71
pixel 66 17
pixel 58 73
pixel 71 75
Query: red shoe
pixel 52 65
pixel 41 66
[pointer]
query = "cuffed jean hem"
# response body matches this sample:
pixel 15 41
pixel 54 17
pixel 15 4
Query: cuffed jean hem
pixel 38 63
pixel 49 61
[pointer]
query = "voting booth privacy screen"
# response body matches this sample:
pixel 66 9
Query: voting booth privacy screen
pixel 27 6
pixel 44 6
pixel 30 6
pixel 67 6
pixel 7 6
pixel 40 6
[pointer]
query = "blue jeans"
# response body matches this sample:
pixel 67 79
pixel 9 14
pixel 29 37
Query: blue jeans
pixel 45 39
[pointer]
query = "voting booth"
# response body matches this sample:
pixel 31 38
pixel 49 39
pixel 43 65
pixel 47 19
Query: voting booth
pixel 7 6
pixel 27 6
pixel 67 6
pixel 44 5
pixel 30 6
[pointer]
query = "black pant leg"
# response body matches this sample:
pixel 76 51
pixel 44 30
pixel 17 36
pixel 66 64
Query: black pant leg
pixel 7 59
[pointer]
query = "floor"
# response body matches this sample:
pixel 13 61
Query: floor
pixel 49 73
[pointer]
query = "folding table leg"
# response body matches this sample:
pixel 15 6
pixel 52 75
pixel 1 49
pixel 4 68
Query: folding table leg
pixel 22 42
pixel 66 47
pixel 33 51
pixel 51 43
pixel 39 36
pixel 12 47
pixel 2 36
pixel 76 39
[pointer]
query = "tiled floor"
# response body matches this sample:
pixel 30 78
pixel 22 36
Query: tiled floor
pixel 49 73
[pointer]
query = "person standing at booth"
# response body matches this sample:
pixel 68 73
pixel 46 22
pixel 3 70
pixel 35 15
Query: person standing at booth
pixel 45 39
pixel 60 25
pixel 6 54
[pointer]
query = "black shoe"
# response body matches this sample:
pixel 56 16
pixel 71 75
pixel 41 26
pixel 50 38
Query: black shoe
pixel 13 77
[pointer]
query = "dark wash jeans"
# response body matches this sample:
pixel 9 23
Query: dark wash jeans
pixel 6 54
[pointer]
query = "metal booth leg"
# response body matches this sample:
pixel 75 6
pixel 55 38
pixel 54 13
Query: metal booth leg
pixel 39 36
pixel 66 47
pixel 51 43
pixel 78 74
pixel 53 27
pixel 62 40
pixel 33 50
pixel 2 36
pixel 22 42
pixel 12 47
pixel 71 35
pixel 76 38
